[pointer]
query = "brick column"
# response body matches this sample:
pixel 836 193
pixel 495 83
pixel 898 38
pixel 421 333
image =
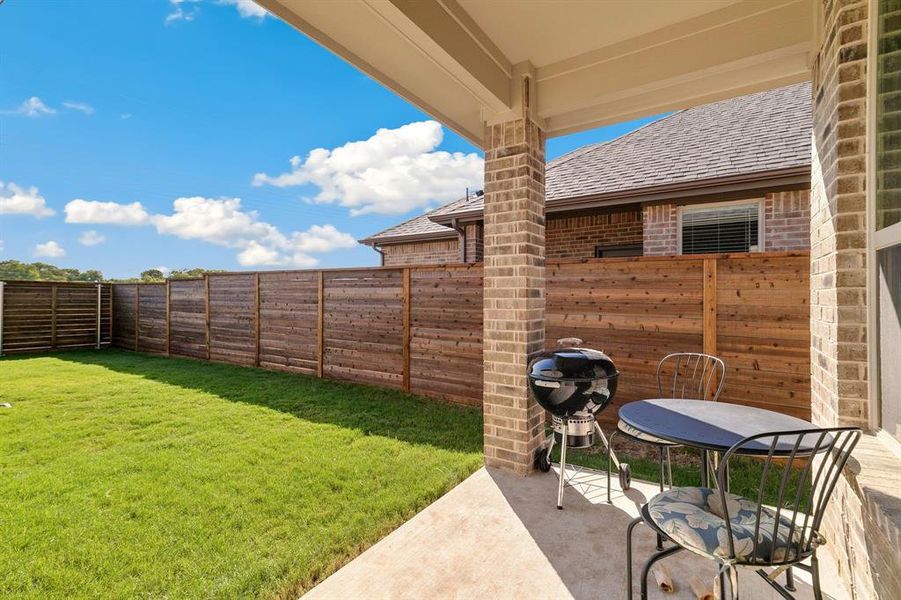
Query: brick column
pixel 513 291
pixel 838 238
pixel 838 297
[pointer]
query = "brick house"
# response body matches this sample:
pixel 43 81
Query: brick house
pixel 723 177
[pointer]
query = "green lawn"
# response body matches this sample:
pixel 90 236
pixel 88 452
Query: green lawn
pixel 131 476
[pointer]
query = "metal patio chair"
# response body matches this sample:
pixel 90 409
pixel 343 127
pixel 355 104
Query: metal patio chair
pixel 738 531
pixel 694 375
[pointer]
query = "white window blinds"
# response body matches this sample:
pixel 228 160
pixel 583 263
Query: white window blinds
pixel 726 228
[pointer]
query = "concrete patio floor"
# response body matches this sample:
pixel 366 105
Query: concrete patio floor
pixel 500 536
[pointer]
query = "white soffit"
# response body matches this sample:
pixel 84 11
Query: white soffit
pixel 593 62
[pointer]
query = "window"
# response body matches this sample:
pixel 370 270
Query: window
pixel 721 227
pixel 885 231
pixel 614 251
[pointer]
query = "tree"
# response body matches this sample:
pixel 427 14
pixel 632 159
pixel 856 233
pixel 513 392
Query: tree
pixel 152 276
pixel 38 271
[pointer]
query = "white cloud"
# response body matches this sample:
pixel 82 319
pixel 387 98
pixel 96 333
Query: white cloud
pixel 125 116
pixel 91 238
pixel 106 213
pixel 247 8
pixel 187 10
pixel 164 270
pixel 2 245
pixel 33 107
pixel 393 172
pixel 49 250
pixel 222 222
pixel 182 10
pixel 15 200
pixel 79 106
pixel 257 254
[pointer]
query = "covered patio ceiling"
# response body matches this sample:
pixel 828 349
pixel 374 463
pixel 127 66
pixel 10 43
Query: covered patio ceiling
pixel 590 63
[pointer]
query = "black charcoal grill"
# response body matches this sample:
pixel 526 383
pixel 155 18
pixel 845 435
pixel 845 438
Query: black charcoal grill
pixel 573 384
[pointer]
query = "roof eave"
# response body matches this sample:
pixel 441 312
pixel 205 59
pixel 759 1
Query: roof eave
pixel 733 183
pixel 410 237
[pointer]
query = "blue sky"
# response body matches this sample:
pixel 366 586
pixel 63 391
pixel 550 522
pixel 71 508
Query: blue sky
pixel 159 133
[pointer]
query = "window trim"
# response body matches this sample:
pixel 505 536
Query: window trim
pixel 761 210
pixel 876 240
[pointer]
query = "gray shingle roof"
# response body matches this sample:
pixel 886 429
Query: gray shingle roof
pixel 417 227
pixel 754 134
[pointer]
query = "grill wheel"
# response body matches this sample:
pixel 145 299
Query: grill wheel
pixel 625 476
pixel 543 461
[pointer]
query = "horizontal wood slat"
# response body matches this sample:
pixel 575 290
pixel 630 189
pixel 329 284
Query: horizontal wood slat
pixel 40 315
pixel 424 333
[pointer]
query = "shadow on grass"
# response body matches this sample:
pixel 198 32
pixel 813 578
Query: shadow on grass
pixel 370 410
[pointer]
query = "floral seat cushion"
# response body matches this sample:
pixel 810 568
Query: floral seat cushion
pixel 640 435
pixel 693 517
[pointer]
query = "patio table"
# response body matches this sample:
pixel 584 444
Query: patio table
pixel 713 426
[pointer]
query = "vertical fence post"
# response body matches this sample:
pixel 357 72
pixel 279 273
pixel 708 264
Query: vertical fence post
pixel 137 316
pixel 168 318
pixel 112 312
pixel 320 327
pixel 2 286
pixel 206 304
pixel 53 316
pixel 99 310
pixel 710 306
pixel 256 361
pixel 406 342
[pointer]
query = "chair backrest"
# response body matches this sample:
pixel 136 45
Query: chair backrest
pixel 804 466
pixel 690 375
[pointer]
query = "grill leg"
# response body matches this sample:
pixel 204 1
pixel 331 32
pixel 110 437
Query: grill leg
pixel 610 458
pixel 562 481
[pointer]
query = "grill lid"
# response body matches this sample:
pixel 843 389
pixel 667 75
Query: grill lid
pixel 572 365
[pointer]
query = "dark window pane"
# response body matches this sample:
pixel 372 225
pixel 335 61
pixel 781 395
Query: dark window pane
pixel 888 116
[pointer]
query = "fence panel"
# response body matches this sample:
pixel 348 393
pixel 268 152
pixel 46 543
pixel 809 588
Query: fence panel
pixel 125 316
pixel 763 331
pixel 152 325
pixel 289 313
pixel 28 320
pixel 446 333
pixel 363 326
pixel 232 306
pixel 420 328
pixel 42 315
pixel 636 311
pixel 187 318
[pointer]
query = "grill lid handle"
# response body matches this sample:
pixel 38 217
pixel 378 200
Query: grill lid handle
pixel 570 341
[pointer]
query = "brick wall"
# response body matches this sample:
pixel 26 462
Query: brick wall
pixel 475 246
pixel 422 253
pixel 786 220
pixel 865 558
pixel 577 236
pixel 660 227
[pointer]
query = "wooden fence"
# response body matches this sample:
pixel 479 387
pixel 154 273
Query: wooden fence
pixel 37 315
pixel 420 329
